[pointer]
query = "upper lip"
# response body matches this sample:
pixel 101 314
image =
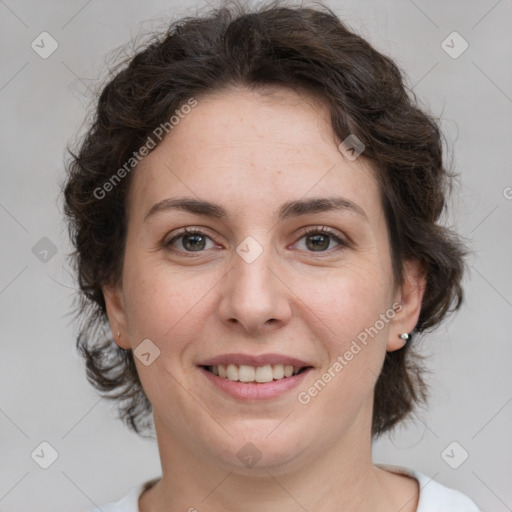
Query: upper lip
pixel 250 360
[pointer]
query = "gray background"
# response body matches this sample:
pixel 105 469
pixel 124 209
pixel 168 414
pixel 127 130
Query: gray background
pixel 43 389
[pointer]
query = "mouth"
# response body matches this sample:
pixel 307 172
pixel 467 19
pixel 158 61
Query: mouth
pixel 254 374
pixel 253 378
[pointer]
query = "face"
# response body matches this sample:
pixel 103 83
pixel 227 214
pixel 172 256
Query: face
pixel 278 277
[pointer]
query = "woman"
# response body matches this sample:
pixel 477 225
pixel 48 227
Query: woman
pixel 255 215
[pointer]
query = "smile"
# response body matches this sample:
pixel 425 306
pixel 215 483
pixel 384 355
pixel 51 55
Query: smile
pixel 261 374
pixel 252 390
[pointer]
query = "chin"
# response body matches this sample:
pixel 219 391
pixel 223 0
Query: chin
pixel 265 450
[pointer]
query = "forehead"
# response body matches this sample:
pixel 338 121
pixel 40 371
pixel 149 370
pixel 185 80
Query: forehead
pixel 240 146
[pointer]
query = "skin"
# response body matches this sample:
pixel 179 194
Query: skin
pixel 250 153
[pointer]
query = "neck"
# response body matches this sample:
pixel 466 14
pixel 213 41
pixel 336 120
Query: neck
pixel 340 477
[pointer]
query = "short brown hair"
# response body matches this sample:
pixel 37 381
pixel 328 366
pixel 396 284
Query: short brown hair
pixel 274 44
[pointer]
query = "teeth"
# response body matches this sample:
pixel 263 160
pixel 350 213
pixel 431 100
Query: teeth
pixel 264 373
pixel 232 372
pixel 278 371
pixel 245 373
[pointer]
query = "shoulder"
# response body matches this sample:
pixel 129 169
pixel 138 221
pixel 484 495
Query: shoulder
pixel 129 502
pixel 435 497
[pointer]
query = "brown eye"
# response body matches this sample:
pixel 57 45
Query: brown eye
pixel 190 241
pixel 319 240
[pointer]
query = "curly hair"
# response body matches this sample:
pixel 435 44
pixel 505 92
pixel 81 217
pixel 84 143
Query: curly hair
pixel 274 44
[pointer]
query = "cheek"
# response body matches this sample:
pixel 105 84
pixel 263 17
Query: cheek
pixel 349 300
pixel 351 320
pixel 168 306
pixel 165 307
pixel 349 330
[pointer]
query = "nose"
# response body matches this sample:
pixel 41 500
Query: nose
pixel 255 297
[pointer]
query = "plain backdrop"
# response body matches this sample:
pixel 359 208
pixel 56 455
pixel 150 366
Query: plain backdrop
pixel 43 389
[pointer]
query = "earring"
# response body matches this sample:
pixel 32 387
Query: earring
pixel 405 336
pixel 119 334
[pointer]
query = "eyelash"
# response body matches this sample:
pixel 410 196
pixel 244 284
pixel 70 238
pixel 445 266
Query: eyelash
pixel 307 231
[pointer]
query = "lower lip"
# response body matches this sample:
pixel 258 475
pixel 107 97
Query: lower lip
pixel 255 390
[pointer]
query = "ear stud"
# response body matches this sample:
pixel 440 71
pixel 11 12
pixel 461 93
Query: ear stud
pixel 405 336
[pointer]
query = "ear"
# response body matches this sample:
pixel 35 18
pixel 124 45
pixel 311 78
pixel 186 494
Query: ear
pixel 114 301
pixel 409 296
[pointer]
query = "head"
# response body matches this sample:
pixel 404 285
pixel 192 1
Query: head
pixel 248 109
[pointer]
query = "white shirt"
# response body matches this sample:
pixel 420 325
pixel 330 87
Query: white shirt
pixel 434 497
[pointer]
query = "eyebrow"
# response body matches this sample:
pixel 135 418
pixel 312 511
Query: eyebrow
pixel 287 210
